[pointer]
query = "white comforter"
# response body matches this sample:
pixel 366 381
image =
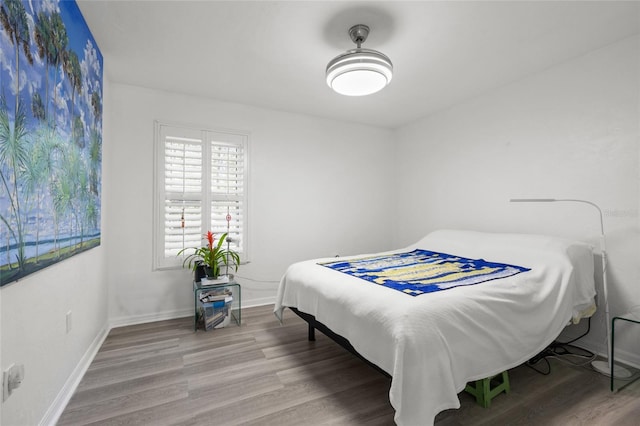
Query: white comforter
pixel 433 344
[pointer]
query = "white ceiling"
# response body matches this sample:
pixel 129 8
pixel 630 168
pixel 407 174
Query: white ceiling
pixel 274 54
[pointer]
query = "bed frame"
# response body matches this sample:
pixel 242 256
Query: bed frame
pixel 314 325
pixel 483 390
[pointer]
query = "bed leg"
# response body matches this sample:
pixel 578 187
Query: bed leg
pixel 312 333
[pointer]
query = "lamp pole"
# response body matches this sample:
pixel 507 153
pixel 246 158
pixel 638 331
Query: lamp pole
pixel 603 367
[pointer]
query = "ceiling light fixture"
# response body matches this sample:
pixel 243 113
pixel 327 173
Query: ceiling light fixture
pixel 359 72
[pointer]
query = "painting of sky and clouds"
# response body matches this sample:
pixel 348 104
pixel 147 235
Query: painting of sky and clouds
pixel 50 135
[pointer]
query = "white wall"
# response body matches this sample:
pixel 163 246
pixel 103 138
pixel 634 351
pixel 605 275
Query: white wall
pixel 33 327
pixel 321 187
pixel 34 331
pixel 317 188
pixel 568 132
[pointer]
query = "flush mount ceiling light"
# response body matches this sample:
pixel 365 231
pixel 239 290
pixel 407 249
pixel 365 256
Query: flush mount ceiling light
pixel 359 72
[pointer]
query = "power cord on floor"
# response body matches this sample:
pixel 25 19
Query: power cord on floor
pixel 563 351
pixel 582 335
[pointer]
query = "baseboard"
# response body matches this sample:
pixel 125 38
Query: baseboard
pixel 181 313
pixel 623 356
pixel 629 358
pixel 259 302
pixel 55 410
pixel 142 319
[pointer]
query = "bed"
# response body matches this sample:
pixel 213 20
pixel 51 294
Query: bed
pixel 432 344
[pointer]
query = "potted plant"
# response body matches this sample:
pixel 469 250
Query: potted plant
pixel 211 257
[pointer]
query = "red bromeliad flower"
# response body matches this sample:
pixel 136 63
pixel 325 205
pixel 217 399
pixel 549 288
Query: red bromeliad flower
pixel 210 239
pixel 211 256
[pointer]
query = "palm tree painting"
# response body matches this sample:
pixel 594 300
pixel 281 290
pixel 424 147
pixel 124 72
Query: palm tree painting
pixel 50 135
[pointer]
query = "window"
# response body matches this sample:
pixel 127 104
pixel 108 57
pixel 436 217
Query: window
pixel 201 184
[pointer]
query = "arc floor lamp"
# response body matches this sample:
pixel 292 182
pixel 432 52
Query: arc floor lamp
pixel 603 367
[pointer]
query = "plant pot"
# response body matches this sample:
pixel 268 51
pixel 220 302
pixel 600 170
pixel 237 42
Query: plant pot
pixel 199 273
pixel 208 271
pixel 222 279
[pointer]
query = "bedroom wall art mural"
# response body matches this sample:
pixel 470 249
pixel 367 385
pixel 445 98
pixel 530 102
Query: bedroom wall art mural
pixel 50 136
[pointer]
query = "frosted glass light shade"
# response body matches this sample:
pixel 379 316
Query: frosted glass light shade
pixel 359 72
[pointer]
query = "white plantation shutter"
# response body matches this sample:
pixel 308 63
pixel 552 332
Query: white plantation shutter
pixel 182 226
pixel 219 212
pixel 182 193
pixel 227 191
pixel 201 179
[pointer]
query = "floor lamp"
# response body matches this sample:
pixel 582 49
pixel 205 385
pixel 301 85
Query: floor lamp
pixel 603 367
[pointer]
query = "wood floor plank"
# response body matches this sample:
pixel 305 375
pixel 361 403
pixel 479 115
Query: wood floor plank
pixel 106 355
pixel 326 366
pixel 128 370
pixel 128 403
pixel 282 399
pixel 222 362
pixel 345 407
pixel 145 335
pixel 200 401
pixel 257 367
pixel 92 396
pixel 267 373
pixel 231 350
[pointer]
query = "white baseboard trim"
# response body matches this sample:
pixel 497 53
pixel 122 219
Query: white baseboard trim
pixel 181 313
pixel 629 358
pixel 55 410
pixel 142 319
pixel 259 302
pixel 623 356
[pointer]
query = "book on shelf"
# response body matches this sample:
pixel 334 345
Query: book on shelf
pixel 214 320
pixel 224 298
pixel 215 295
pixel 215 314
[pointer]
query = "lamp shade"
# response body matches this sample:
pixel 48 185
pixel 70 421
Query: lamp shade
pixel 359 72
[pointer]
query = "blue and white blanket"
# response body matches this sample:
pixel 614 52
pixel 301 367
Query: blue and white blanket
pixel 423 271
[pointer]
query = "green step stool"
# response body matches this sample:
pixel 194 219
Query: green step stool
pixel 483 391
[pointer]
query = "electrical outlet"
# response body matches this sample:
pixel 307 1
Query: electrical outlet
pixel 69 324
pixel 12 377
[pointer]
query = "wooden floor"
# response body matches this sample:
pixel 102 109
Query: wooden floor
pixel 263 373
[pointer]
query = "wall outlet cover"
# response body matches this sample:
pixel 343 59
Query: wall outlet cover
pixel 12 377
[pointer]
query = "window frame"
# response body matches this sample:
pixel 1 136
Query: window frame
pixel 207 136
